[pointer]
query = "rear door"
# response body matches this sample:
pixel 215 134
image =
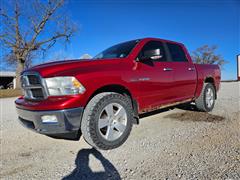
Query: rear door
pixel 185 76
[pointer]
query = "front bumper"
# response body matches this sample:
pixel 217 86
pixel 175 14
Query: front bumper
pixel 66 127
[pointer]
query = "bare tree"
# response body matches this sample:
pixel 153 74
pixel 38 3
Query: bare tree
pixel 207 55
pixel 28 28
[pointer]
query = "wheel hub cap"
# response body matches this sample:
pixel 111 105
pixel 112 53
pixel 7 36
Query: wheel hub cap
pixel 209 97
pixel 112 121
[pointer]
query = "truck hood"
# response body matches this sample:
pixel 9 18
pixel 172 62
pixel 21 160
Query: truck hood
pixel 73 67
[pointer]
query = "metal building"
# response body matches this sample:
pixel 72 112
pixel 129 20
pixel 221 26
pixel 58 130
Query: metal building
pixel 7 80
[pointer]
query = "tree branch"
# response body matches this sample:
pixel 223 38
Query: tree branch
pixel 45 19
pixel 54 38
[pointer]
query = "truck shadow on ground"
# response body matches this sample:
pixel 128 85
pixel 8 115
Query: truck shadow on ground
pixel 84 172
pixel 190 114
pixel 193 114
pixel 195 117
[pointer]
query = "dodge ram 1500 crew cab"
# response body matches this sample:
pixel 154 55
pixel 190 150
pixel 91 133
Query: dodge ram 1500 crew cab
pixel 102 98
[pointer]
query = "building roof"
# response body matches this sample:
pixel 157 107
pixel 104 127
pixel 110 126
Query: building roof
pixel 7 74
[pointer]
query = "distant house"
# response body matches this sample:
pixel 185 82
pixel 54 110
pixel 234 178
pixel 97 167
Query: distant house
pixel 86 56
pixel 7 80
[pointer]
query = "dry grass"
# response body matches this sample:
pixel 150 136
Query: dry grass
pixel 4 93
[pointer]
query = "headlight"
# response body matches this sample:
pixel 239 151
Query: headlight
pixel 65 85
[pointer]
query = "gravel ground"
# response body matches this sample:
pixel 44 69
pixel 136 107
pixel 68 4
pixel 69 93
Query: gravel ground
pixel 174 144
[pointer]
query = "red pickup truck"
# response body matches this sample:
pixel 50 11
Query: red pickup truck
pixel 102 98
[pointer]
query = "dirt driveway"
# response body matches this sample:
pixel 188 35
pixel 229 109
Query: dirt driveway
pixel 175 144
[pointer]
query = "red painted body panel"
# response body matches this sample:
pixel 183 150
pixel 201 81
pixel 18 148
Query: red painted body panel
pixel 158 87
pixel 207 71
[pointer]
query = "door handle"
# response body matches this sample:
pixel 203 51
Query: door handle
pixel 167 69
pixel 191 69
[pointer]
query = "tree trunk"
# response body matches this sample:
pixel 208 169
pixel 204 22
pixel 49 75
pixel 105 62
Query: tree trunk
pixel 20 68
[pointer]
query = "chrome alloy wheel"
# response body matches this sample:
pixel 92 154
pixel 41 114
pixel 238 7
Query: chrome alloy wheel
pixel 209 97
pixel 112 121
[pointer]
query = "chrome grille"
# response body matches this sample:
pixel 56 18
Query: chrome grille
pixel 33 86
pixel 33 79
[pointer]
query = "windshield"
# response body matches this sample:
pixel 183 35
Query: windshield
pixel 118 51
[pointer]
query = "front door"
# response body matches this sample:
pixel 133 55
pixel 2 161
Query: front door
pixel 155 76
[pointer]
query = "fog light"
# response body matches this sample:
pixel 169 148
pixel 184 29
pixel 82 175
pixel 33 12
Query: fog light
pixel 49 119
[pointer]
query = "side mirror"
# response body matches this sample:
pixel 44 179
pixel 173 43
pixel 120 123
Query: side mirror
pixel 152 54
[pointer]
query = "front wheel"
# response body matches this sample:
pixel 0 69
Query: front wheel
pixel 205 102
pixel 107 120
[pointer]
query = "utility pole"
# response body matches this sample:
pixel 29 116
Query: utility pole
pixel 238 67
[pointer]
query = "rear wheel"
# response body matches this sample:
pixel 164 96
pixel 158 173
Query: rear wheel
pixel 205 102
pixel 107 120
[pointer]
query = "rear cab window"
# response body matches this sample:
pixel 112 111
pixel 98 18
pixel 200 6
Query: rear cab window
pixel 176 52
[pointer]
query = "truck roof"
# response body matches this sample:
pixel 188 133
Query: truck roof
pixel 166 40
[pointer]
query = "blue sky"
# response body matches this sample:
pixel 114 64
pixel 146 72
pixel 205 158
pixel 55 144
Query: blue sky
pixel 194 23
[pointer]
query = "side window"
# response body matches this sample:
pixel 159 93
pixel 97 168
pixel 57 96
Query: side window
pixel 153 45
pixel 177 53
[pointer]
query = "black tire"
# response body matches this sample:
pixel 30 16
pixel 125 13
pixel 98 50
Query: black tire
pixel 201 101
pixel 89 124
